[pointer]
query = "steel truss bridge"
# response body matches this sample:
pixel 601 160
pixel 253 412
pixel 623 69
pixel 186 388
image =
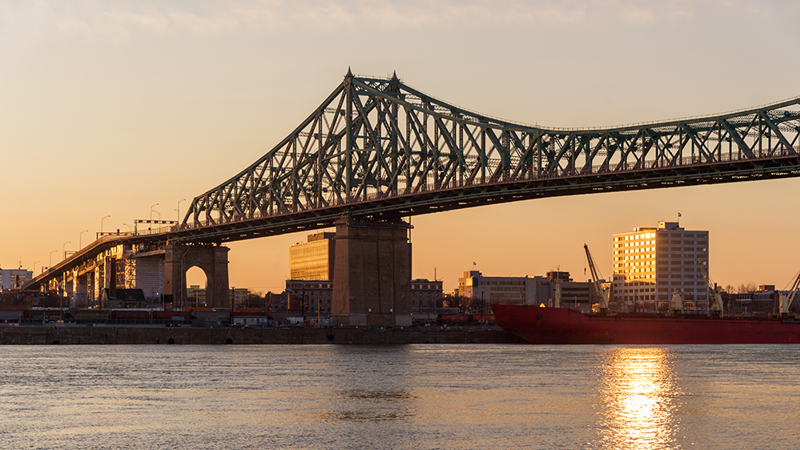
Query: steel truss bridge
pixel 379 149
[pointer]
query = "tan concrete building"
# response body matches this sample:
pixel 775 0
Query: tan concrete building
pixel 11 278
pixel 650 262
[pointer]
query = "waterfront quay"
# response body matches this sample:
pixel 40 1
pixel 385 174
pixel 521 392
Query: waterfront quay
pixel 142 334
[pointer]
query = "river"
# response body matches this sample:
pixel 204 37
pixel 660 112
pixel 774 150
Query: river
pixel 405 397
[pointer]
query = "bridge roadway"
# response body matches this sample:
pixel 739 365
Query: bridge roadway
pixel 377 149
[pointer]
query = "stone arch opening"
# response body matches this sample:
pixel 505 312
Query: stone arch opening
pixel 196 286
pixel 211 260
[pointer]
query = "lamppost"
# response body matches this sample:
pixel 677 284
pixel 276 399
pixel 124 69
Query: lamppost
pixel 80 239
pixel 51 259
pixel 149 225
pixel 64 248
pixel 34 267
pixel 101 222
pixel 179 208
pixel 130 228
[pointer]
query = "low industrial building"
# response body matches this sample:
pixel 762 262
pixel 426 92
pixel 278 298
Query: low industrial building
pixel 537 290
pixel 765 300
pixel 307 295
pixel 426 299
pixel 196 297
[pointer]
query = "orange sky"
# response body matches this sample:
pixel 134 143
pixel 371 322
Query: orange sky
pixel 109 109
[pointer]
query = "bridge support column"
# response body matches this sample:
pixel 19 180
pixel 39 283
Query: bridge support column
pixel 212 260
pixel 97 286
pixel 81 283
pixel 372 274
pixel 69 286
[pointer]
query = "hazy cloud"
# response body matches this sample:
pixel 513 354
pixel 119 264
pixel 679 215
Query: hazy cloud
pixel 118 20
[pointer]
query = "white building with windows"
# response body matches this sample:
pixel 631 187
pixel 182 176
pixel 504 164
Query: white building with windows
pixel 650 263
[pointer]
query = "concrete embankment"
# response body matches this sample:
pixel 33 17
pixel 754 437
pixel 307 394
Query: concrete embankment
pixel 156 335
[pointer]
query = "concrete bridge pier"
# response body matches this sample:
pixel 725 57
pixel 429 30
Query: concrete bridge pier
pixel 372 274
pixel 97 285
pixel 69 286
pixel 81 287
pixel 212 260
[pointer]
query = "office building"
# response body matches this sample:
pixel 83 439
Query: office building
pixel 651 262
pixel 313 260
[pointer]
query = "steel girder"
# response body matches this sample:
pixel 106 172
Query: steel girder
pixel 376 142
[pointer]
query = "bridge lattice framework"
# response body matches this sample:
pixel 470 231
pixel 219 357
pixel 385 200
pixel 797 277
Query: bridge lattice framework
pixel 378 148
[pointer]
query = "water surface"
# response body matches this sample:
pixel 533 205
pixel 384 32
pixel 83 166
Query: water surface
pixel 414 396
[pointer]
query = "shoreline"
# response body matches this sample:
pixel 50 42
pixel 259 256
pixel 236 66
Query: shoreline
pixel 139 335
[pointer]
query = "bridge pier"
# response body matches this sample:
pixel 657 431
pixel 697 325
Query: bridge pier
pixel 212 260
pixel 81 289
pixel 97 286
pixel 372 273
pixel 69 285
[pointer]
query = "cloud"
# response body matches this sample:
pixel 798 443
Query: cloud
pixel 121 19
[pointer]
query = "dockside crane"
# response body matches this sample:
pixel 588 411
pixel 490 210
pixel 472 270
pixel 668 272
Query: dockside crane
pixel 787 299
pixel 715 297
pixel 602 294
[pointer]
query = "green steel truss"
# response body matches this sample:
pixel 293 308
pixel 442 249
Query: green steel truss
pixel 381 149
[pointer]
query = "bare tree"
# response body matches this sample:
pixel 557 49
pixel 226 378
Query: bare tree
pixel 747 287
pixel 459 301
pixel 729 289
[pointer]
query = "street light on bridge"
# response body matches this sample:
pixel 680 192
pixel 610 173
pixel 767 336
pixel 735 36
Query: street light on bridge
pixel 80 239
pixel 34 267
pixel 151 211
pixel 51 259
pixel 64 248
pixel 179 209
pixel 101 222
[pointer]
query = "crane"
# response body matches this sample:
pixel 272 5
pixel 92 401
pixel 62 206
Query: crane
pixel 713 293
pixel 603 294
pixel 786 299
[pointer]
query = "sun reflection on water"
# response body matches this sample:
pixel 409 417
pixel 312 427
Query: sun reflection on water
pixel 639 399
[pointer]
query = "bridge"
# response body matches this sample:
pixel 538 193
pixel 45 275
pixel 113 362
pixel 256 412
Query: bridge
pixel 377 150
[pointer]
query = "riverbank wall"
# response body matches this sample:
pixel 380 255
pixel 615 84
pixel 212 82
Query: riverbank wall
pixel 121 335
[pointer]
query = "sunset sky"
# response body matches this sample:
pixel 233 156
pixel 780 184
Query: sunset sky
pixel 108 107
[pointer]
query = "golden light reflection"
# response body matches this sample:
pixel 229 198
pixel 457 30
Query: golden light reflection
pixel 639 399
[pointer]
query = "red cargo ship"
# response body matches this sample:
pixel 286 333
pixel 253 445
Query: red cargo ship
pixel 542 325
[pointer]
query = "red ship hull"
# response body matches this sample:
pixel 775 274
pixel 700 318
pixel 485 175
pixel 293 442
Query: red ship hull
pixel 539 325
